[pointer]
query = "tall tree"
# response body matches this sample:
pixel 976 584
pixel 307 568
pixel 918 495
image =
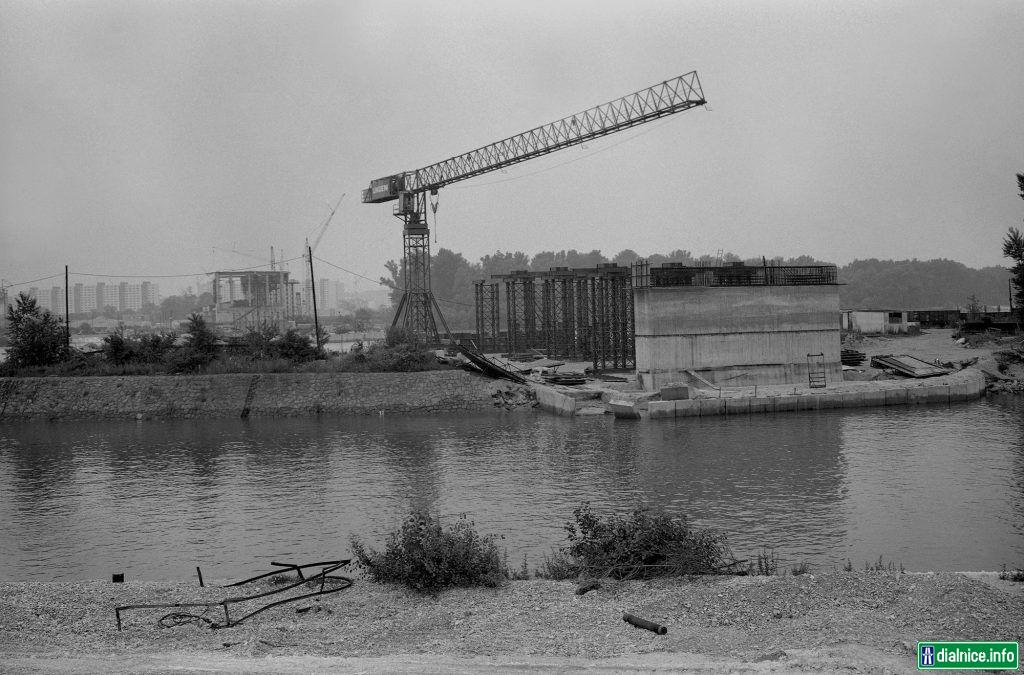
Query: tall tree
pixel 37 337
pixel 1013 248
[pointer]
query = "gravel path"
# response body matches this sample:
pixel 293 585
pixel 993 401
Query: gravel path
pixel 864 621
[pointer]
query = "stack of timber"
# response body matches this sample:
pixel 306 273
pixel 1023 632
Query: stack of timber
pixel 567 378
pixel 851 357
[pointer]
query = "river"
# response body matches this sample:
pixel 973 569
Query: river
pixel 932 488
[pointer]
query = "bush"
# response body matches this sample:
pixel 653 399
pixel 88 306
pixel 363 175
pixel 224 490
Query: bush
pixel 397 335
pixel 121 349
pixel 427 557
pixel 643 545
pixel 382 358
pixel 295 347
pixel 1014 575
pixel 187 359
pixel 258 341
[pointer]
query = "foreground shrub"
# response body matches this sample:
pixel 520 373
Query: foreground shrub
pixel 1014 575
pixel 642 545
pixel 381 357
pixel 427 557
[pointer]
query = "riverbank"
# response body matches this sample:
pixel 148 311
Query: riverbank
pixel 245 395
pixel 856 621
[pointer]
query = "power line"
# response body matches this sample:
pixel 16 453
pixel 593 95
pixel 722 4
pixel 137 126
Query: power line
pixel 381 283
pixel 26 283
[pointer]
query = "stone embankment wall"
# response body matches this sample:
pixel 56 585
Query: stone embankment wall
pixel 243 395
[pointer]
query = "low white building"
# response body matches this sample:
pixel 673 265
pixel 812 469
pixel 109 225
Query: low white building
pixel 877 321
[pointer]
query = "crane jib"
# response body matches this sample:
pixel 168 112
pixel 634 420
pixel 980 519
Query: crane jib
pixel 666 98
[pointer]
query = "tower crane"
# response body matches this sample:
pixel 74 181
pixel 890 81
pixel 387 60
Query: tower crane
pixel 410 188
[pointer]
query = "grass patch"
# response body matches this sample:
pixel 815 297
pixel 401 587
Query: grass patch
pixel 881 566
pixel 767 564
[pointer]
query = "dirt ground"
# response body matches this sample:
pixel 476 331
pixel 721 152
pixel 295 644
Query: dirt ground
pixel 931 344
pixel 857 621
pixel 938 345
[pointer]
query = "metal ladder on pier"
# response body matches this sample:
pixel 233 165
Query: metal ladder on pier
pixel 816 371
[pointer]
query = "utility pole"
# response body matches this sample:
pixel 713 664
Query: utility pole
pixel 312 288
pixel 67 314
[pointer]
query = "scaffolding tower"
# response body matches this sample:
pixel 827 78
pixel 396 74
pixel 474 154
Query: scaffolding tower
pixel 487 327
pixel 574 314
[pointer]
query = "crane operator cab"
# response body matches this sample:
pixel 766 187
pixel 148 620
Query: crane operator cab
pixel 384 189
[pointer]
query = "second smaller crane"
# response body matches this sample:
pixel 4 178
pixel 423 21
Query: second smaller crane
pixel 312 279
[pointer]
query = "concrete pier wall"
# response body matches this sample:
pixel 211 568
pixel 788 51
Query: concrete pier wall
pixel 965 385
pixel 736 335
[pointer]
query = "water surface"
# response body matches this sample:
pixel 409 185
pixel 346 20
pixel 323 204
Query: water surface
pixel 933 488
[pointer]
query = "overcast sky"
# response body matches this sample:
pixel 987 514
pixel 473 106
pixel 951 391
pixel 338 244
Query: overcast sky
pixel 155 138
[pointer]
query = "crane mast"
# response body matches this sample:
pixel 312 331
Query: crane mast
pixel 410 188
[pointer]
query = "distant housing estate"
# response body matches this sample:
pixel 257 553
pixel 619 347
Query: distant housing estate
pixel 122 296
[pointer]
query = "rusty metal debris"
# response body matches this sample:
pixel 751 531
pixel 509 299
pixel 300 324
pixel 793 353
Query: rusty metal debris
pixel 324 579
pixel 490 366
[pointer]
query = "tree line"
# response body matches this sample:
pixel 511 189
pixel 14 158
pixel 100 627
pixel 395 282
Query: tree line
pixel 867 284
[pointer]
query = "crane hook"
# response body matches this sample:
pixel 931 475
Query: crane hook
pixel 433 208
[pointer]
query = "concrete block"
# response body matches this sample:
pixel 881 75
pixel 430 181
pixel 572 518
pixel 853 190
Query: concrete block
pixel 737 406
pixel 762 404
pixel 807 402
pixel 896 396
pixel 555 402
pixel 786 403
pixel 830 400
pixel 689 408
pixel 852 399
pixel 675 391
pixel 623 409
pixel 873 397
pixel 928 395
pixel 976 385
pixel 917 395
pixel 661 409
pixel 712 406
pixel 969 386
pixel 938 394
pixel 958 391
